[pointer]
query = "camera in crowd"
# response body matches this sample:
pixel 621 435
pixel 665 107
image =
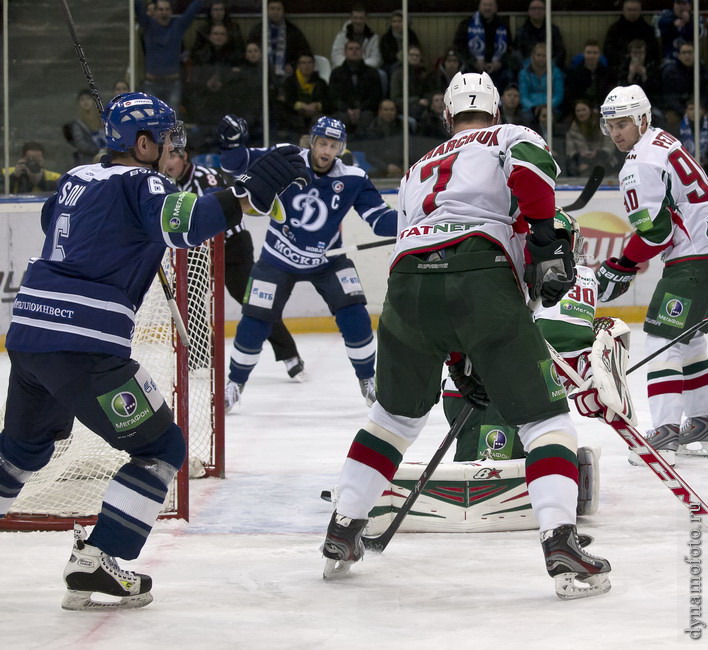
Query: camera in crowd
pixel 33 167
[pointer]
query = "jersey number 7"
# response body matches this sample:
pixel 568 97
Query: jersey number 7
pixel 444 166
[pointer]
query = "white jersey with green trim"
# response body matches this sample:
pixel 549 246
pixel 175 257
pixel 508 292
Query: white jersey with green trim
pixel 567 326
pixel 665 195
pixel 460 188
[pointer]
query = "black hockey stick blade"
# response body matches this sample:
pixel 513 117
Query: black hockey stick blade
pixel 378 544
pixel 594 181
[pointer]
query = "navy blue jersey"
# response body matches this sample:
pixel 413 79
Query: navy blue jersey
pixel 106 232
pixel 314 214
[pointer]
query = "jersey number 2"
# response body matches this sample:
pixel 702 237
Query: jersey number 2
pixel 444 166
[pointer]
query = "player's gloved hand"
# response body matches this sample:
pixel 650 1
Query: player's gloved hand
pixel 614 278
pixel 466 381
pixel 233 132
pixel 551 272
pixel 270 175
pixel 587 401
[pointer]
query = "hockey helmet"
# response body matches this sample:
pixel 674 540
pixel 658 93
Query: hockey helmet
pixel 470 91
pixel 625 101
pixel 328 127
pixel 567 227
pixel 130 113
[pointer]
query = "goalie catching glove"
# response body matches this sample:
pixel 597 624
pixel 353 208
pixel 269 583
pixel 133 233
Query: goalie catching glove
pixel 270 175
pixel 551 272
pixel 466 381
pixel 614 277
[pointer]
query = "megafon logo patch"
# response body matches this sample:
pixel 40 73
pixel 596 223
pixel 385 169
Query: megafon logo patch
pixel 124 404
pixel 674 307
pixel 496 439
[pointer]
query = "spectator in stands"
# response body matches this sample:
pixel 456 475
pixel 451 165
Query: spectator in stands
pixel 432 122
pixel 417 100
pixel 285 41
pixel 385 146
pixel 510 107
pixel 687 133
pixel 439 79
pixel 305 97
pixel 675 27
pixel 392 43
pixel 533 82
pixel 482 40
pixel 208 90
pixel 534 31
pixel 29 176
pixel 218 15
pixel 677 82
pixel 539 123
pixel 590 79
pixel 637 70
pixel 585 144
pixel 357 29
pixel 119 87
pixel 85 133
pixel 355 91
pixel 630 26
pixel 162 37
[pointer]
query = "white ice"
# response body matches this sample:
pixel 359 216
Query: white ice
pixel 246 572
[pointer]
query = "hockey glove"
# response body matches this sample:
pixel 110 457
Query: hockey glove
pixel 233 132
pixel 551 272
pixel 613 279
pixel 466 381
pixel 270 175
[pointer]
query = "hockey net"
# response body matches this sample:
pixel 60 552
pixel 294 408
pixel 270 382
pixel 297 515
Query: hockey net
pixel 72 484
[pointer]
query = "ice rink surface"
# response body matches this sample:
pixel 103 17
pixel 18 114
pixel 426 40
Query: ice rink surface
pixel 246 572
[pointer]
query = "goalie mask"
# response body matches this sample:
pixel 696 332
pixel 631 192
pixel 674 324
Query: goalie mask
pixel 129 114
pixel 567 227
pixel 470 92
pixel 625 101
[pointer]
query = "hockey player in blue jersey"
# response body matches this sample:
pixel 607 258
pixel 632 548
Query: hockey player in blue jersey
pixel 294 251
pixel 69 341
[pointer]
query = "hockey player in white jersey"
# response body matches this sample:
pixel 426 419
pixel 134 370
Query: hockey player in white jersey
pixel 666 200
pixel 457 283
pixel 69 340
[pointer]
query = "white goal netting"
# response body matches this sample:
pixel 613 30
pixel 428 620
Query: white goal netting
pixel 72 484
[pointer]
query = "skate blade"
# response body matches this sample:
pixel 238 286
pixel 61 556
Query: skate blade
pixel 667 455
pixel 81 601
pixel 568 589
pixel 694 449
pixel 300 378
pixel 336 569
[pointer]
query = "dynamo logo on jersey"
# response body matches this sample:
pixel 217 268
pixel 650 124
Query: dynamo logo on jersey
pixel 124 404
pixel 337 186
pixel 313 210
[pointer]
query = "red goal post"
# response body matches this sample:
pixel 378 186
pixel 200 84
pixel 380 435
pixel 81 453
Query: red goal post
pixel 70 488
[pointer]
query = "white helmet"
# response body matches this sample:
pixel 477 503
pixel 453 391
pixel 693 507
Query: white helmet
pixel 625 101
pixel 470 92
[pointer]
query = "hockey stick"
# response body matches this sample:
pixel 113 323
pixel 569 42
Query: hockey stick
pixel 379 543
pixel 691 330
pixel 652 459
pixel 594 181
pixel 174 309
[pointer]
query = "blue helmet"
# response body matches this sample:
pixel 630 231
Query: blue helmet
pixel 328 127
pixel 130 113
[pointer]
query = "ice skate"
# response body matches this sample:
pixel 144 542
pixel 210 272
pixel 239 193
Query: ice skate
pixel 567 562
pixel 665 439
pixel 90 570
pixel 368 390
pixel 296 368
pixel 232 395
pixel 342 546
pixel 693 436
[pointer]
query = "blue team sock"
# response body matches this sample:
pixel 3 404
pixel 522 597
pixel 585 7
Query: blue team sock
pixel 248 344
pixel 12 478
pixel 355 325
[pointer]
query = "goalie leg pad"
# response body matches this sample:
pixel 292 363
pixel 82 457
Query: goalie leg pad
pixel 588 480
